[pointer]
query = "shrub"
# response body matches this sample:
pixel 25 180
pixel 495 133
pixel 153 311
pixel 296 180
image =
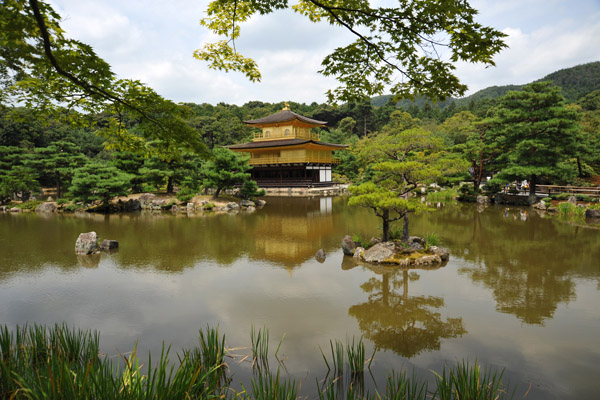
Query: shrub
pixel 186 194
pixel 29 205
pixel 431 239
pixel 208 206
pixel 492 187
pixel 357 240
pixel 72 207
pixel 60 202
pixel 467 193
pixel 570 209
pixel 583 197
pixel 249 190
pixel 443 195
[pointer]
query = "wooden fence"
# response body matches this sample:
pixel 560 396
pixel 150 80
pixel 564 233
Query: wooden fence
pixel 554 189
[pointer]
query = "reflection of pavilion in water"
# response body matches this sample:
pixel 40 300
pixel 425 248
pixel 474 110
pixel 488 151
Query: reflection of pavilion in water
pixel 293 231
pixel 407 325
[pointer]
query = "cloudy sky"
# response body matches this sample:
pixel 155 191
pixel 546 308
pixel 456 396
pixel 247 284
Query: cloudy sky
pixel 153 41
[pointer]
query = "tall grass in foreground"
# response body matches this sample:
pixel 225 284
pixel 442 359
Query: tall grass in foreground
pixel 38 362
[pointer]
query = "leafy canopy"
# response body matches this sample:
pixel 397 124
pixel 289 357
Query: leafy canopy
pixel 402 48
pixel 536 131
pixel 40 66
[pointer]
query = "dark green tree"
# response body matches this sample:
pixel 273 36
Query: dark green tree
pixel 96 181
pixel 58 161
pixel 225 170
pixel 535 131
pixel 16 179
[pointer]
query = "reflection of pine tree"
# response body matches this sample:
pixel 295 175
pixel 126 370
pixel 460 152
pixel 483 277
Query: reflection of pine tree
pixel 532 295
pixel 406 325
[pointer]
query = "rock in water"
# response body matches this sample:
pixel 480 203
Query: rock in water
pixel 109 244
pixel 358 253
pixel 247 203
pixel 483 199
pixel 440 251
pixel 46 208
pixel 379 252
pixel 592 213
pixel 348 245
pixel 232 206
pixel 87 243
pixel 428 260
pixel 320 256
pixel 131 205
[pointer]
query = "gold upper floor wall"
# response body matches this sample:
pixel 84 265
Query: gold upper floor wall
pixel 285 132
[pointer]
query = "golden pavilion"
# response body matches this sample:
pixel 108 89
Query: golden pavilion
pixel 286 153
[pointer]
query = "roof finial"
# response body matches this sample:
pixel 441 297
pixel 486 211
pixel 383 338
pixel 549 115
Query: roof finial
pixel 287 107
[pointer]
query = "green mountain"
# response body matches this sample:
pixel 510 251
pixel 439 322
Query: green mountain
pixel 575 82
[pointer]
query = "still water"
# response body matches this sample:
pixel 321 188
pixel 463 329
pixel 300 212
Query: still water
pixel 520 292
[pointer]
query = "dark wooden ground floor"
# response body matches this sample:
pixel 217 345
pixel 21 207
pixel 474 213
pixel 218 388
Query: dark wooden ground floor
pixel 293 175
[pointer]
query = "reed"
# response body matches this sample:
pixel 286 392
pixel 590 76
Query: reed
pixel 59 362
pixel 431 239
pixel 401 387
pixel 466 381
pixel 260 346
pixel 266 386
pixel 356 355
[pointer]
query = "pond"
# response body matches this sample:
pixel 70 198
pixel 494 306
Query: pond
pixel 520 292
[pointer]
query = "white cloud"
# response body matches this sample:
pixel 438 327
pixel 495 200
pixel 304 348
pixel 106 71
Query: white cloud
pixel 153 42
pixel 532 55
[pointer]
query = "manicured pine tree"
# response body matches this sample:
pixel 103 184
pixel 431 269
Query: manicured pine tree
pixel 225 170
pixel 59 160
pixel 96 181
pixel 535 131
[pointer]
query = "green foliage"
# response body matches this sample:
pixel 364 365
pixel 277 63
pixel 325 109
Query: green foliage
pixel 443 195
pixel 458 128
pixel 60 202
pixel 29 205
pixel 208 206
pixel 470 382
pixel 432 239
pixel 566 209
pixel 391 52
pixel 40 66
pixel 249 190
pixel 225 170
pixel 186 194
pixel 65 362
pixel 492 187
pixel 102 182
pixel 357 240
pixel 18 181
pixel 72 207
pixel 536 132
pixel 58 161
pixel 583 197
pixel 399 161
pixel 467 193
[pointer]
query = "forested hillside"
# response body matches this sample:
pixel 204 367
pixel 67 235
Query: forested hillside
pixel 575 82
